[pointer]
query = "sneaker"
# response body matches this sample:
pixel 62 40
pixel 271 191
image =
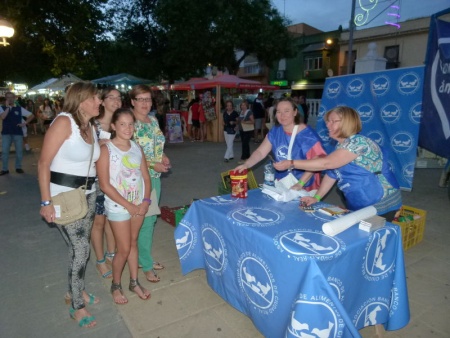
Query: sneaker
pixel 4 172
pixel 19 171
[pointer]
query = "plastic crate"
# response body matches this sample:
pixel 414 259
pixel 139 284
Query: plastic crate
pixel 412 230
pixel 174 215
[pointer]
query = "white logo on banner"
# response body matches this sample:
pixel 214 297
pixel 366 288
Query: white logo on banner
pixel 376 136
pixel 415 113
pixel 408 172
pixel 315 316
pixel 333 89
pixel 402 142
pixel 260 217
pixel 379 260
pixel 324 136
pixel 256 282
pixel 380 85
pixel 408 83
pixel 444 88
pixel 390 112
pixel 322 110
pixel 214 249
pixel 355 87
pixel 186 239
pixel 366 112
pixel 302 245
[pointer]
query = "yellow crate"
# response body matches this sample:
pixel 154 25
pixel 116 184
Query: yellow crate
pixel 412 231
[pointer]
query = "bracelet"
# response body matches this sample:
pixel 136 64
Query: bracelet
pixel 317 197
pixel 301 183
pixel 45 203
pixel 148 200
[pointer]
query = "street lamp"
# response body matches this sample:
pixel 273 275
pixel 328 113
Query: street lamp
pixel 6 31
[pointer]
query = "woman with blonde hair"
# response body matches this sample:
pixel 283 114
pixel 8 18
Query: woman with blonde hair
pixel 358 165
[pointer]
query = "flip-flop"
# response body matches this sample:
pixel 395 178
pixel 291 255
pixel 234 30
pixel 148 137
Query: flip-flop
pixel 85 321
pixel 155 278
pixel 158 266
pixel 92 299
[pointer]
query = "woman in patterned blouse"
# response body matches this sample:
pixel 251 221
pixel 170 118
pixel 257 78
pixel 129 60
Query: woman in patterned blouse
pixel 150 137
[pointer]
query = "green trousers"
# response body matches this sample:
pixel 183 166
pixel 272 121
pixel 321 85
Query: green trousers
pixel 145 239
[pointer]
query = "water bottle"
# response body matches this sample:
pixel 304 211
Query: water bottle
pixel 269 174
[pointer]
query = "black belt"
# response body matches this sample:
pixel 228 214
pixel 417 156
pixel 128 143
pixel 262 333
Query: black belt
pixel 71 181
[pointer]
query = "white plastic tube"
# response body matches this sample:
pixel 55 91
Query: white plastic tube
pixel 340 224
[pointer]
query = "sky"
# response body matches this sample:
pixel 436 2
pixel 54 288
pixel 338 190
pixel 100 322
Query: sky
pixel 327 15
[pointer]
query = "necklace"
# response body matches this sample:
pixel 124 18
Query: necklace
pixel 84 134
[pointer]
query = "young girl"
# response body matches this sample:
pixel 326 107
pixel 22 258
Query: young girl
pixel 124 178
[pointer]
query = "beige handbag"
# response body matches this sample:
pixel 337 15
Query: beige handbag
pixel 153 209
pixel 72 205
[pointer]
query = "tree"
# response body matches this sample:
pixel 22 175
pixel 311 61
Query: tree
pixel 51 39
pixel 192 34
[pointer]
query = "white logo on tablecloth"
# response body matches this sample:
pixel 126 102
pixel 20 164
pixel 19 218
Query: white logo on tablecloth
pixel 337 286
pixel 214 249
pixel 333 89
pixel 315 316
pixel 380 85
pixel 302 245
pixel 185 238
pixel 402 142
pixel 355 87
pixel 380 257
pixel 415 113
pixel 408 172
pixel 259 217
pixel 254 278
pixel 391 112
pixel 366 112
pixel 408 83
pixel 373 311
pixel 219 200
pixel 377 137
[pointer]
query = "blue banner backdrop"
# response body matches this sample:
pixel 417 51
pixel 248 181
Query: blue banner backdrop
pixel 435 127
pixel 390 106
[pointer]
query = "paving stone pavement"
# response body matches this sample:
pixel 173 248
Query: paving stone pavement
pixel 34 262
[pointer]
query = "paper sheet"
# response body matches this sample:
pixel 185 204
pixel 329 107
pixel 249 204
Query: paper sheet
pixel 340 224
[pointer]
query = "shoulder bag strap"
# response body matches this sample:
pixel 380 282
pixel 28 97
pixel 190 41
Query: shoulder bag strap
pixel 92 154
pixel 291 142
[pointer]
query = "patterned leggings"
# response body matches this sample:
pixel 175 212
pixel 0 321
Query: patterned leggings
pixel 77 235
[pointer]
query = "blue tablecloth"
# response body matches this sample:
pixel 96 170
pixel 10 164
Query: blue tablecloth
pixel 271 261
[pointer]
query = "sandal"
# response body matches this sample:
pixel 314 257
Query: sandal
pixel 92 299
pixel 153 278
pixel 109 257
pixel 107 274
pixel 115 287
pixel 86 321
pixel 134 283
pixel 158 266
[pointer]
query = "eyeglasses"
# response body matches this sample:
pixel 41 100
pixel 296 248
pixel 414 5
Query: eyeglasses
pixel 113 98
pixel 143 99
pixel 333 121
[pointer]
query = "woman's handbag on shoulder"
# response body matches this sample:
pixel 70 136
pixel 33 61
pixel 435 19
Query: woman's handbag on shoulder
pixel 71 206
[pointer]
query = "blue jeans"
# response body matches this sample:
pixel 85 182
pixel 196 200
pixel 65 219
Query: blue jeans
pixel 6 146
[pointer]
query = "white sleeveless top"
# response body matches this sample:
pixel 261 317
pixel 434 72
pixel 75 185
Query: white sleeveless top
pixel 125 175
pixel 73 157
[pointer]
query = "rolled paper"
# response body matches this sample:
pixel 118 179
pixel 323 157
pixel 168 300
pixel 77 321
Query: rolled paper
pixel 342 223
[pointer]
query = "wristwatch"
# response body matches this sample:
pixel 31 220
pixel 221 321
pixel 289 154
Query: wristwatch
pixel 45 203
